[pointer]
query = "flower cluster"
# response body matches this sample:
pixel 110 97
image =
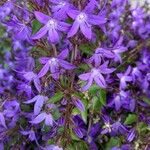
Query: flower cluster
pixel 74 75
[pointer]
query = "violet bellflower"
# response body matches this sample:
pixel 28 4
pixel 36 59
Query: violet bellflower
pixel 110 53
pixel 39 102
pixel 31 76
pixel 122 99
pixel 84 20
pixel 96 75
pixel 30 134
pixel 124 78
pixel 2 120
pixel 55 64
pixel 60 8
pixel 52 147
pixel 51 26
pixel 78 103
pixel 20 29
pixel 46 117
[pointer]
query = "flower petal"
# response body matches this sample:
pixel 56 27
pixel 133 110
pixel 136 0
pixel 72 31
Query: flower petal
pixel 100 81
pixel 32 100
pixel 78 103
pixel 44 70
pixel 86 30
pixel 53 36
pixel 87 86
pixel 38 105
pixel 40 33
pixel 73 13
pixel 2 120
pixel 63 54
pixel 39 118
pixel 49 120
pixel 41 17
pixel 37 84
pixel 74 29
pixel 85 76
pixel 66 65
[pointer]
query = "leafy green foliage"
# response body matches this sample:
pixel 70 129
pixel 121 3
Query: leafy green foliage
pixel 35 26
pixel 56 98
pixel 131 118
pixel 113 142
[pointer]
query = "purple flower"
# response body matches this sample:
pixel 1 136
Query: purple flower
pixel 21 30
pixel 41 117
pixel 51 26
pixel 55 64
pixel 60 8
pixel 2 120
pixel 84 20
pixel 31 76
pixel 136 73
pixel 125 77
pixel 131 135
pixel 96 75
pixel 78 103
pixel 78 132
pixel 30 133
pixel 39 102
pixel 98 56
pixel 52 147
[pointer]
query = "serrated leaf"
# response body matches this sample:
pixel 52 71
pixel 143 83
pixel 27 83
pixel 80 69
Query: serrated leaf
pixel 57 97
pixel 132 118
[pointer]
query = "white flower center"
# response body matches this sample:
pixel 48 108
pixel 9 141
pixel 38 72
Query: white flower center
pixel 62 3
pixel 52 24
pixel 53 61
pixel 82 17
pixel 123 79
pixel 95 72
pixel 108 126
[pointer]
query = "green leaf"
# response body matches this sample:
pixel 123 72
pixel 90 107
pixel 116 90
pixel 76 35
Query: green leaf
pixel 73 136
pixel 86 49
pixel 146 100
pixel 75 111
pixel 84 116
pixel 35 26
pixel 93 89
pixel 132 118
pixel 96 104
pixel 112 142
pixel 57 97
pixel 81 146
pixel 99 97
pixel 56 114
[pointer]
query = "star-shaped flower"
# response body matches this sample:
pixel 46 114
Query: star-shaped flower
pixel 51 26
pixel 55 64
pixel 31 76
pixel 84 20
pixel 96 75
pixel 125 77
